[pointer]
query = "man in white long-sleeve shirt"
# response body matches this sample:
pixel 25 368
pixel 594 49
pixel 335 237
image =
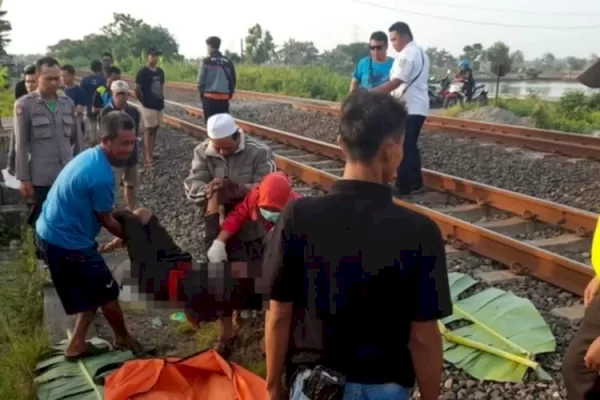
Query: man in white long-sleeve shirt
pixel 224 168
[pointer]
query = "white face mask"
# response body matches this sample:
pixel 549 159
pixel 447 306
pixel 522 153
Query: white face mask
pixel 270 216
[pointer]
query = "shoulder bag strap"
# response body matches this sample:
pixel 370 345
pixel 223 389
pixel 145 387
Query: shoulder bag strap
pixel 419 74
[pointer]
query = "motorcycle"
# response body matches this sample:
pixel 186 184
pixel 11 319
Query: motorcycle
pixel 438 90
pixel 455 93
pixel 480 95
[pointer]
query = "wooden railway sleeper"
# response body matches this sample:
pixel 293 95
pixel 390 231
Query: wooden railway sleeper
pixel 483 202
pixel 528 215
pixel 581 231
pixel 456 243
pixel 519 269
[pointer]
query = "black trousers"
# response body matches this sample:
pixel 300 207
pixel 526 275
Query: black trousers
pixel 35 209
pixel 409 177
pixel 582 383
pixel 212 107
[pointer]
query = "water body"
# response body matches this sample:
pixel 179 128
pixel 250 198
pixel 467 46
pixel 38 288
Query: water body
pixel 549 90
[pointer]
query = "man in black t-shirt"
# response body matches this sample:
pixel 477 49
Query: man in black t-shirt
pixel 126 172
pixel 339 263
pixel 149 84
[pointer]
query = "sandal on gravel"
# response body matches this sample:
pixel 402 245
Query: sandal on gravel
pixel 91 351
pixel 225 346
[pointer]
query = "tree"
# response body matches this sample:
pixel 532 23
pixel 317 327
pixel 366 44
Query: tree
pixel 441 58
pixel 260 47
pixel 356 51
pixel 548 62
pixel 5 29
pixel 517 59
pixel 293 52
pixel 233 56
pixel 337 60
pixel 576 64
pixel 474 54
pixel 124 37
pixel 499 57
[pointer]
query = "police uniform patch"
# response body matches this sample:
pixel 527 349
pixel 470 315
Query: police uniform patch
pixel 19 109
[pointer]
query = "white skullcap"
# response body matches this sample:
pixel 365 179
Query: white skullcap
pixel 119 87
pixel 220 126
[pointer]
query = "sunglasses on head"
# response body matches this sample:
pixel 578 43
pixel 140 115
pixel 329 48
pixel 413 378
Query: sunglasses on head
pixel 376 47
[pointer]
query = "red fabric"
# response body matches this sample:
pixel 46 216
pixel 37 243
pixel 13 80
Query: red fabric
pixel 175 276
pixel 241 212
pixel 247 210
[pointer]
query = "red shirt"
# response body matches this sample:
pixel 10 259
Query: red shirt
pixel 247 210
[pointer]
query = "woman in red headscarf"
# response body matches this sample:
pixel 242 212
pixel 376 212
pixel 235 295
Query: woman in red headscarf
pixel 264 203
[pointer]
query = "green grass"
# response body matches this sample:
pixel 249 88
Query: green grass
pixel 247 352
pixel 574 112
pixel 23 339
pixel 316 82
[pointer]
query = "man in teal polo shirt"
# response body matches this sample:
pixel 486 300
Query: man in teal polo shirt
pixel 373 70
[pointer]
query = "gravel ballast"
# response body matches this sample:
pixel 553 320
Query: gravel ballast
pixel 552 177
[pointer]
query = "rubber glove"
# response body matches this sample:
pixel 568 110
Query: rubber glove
pixel 217 252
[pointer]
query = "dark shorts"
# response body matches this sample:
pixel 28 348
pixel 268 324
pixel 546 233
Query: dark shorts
pixel 212 107
pixel 81 278
pixel 237 293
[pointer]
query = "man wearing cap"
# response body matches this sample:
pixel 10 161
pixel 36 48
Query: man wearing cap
pixel 149 83
pixel 126 171
pixel 102 97
pixel 224 169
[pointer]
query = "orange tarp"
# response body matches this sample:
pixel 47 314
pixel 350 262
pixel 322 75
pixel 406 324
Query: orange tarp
pixel 203 376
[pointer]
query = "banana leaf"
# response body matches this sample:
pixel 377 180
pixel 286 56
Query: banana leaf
pixel 502 337
pixel 59 379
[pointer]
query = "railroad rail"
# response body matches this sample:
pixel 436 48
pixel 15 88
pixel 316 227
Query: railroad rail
pixel 549 141
pixel 482 222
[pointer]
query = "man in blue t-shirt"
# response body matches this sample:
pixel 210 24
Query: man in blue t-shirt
pixel 373 70
pixel 79 203
pixel 89 84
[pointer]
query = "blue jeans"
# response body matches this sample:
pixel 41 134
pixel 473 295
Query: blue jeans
pixel 355 391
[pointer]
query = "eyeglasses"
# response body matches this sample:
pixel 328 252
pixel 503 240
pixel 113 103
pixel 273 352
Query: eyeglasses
pixel 376 47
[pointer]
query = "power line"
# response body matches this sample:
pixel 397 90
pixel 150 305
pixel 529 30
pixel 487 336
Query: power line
pixel 466 21
pixel 507 10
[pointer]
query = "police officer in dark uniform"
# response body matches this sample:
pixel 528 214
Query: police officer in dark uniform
pixel 46 136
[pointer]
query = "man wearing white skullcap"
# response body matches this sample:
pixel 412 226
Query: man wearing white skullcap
pixel 224 169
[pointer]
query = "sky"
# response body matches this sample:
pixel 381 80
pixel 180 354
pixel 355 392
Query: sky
pixel 38 24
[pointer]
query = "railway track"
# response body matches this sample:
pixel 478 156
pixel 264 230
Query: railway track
pixel 549 141
pixel 532 237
